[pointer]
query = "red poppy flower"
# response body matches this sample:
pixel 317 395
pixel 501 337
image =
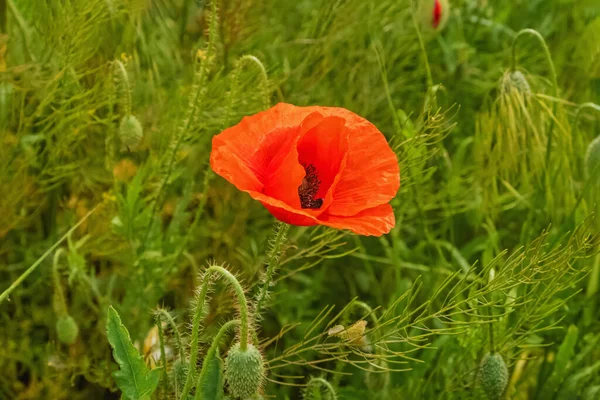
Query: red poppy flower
pixel 312 165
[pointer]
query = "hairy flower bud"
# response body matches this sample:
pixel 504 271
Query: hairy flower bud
pixel 67 329
pixel 493 375
pixel 244 371
pixel 130 132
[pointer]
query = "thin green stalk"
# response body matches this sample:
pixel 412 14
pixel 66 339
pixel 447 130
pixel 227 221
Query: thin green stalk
pixel 210 354
pixel 122 73
pixel 274 256
pixel 208 175
pixel 59 303
pixel 240 63
pixel 163 356
pixel 199 315
pixel 37 263
pixel 422 46
pixel 196 100
pixel 554 78
pixel 491 333
pixel 591 106
pixel 162 313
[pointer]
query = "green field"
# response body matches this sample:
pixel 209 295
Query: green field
pixel 137 261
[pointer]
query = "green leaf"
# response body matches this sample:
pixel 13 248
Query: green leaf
pixel 211 382
pixel 133 377
pixel 564 355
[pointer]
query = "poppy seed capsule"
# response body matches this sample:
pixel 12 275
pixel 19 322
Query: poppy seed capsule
pixel 433 15
pixel 592 162
pixel 493 375
pixel 244 371
pixel 67 329
pixel 130 132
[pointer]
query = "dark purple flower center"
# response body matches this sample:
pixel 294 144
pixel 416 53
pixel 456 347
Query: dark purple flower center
pixel 309 188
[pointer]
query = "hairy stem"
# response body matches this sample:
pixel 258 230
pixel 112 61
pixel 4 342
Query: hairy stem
pixel 199 314
pixel 210 354
pixel 124 78
pixel 164 314
pixel 163 356
pixel 196 100
pixel 274 256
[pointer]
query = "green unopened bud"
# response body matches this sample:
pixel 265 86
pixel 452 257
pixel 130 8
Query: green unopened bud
pixel 592 162
pixel 67 329
pixel 179 372
pixel 244 371
pixel 433 15
pixel 130 132
pixel 515 80
pixel 493 375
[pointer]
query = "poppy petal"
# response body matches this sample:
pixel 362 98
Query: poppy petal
pixel 234 153
pixel 372 175
pixel 374 221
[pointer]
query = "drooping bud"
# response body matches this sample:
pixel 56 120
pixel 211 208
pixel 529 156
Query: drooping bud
pixel 67 329
pixel 515 80
pixel 493 375
pixel 130 132
pixel 433 15
pixel 179 372
pixel 244 371
pixel 592 162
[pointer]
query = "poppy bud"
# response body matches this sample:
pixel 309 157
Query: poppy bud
pixel 433 15
pixel 179 373
pixel 244 371
pixel 67 329
pixel 592 162
pixel 493 375
pixel 517 81
pixel 131 132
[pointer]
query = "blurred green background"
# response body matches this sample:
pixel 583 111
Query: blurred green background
pixel 495 221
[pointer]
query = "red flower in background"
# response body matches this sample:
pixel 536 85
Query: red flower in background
pixel 312 165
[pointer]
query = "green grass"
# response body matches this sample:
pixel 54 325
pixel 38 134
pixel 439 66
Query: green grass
pixel 494 250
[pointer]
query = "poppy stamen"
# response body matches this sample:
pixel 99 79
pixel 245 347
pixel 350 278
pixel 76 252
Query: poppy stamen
pixel 309 188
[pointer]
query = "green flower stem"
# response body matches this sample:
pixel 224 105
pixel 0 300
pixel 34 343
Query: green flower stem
pixel 274 257
pixel 210 354
pixel 235 83
pixel 162 313
pixel 591 106
pixel 37 263
pixel 196 102
pixel 554 78
pixel 422 45
pixel 122 72
pixel 163 356
pixel 199 314
pixel 60 304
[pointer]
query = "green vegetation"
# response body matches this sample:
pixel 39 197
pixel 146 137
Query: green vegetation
pixel 128 268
